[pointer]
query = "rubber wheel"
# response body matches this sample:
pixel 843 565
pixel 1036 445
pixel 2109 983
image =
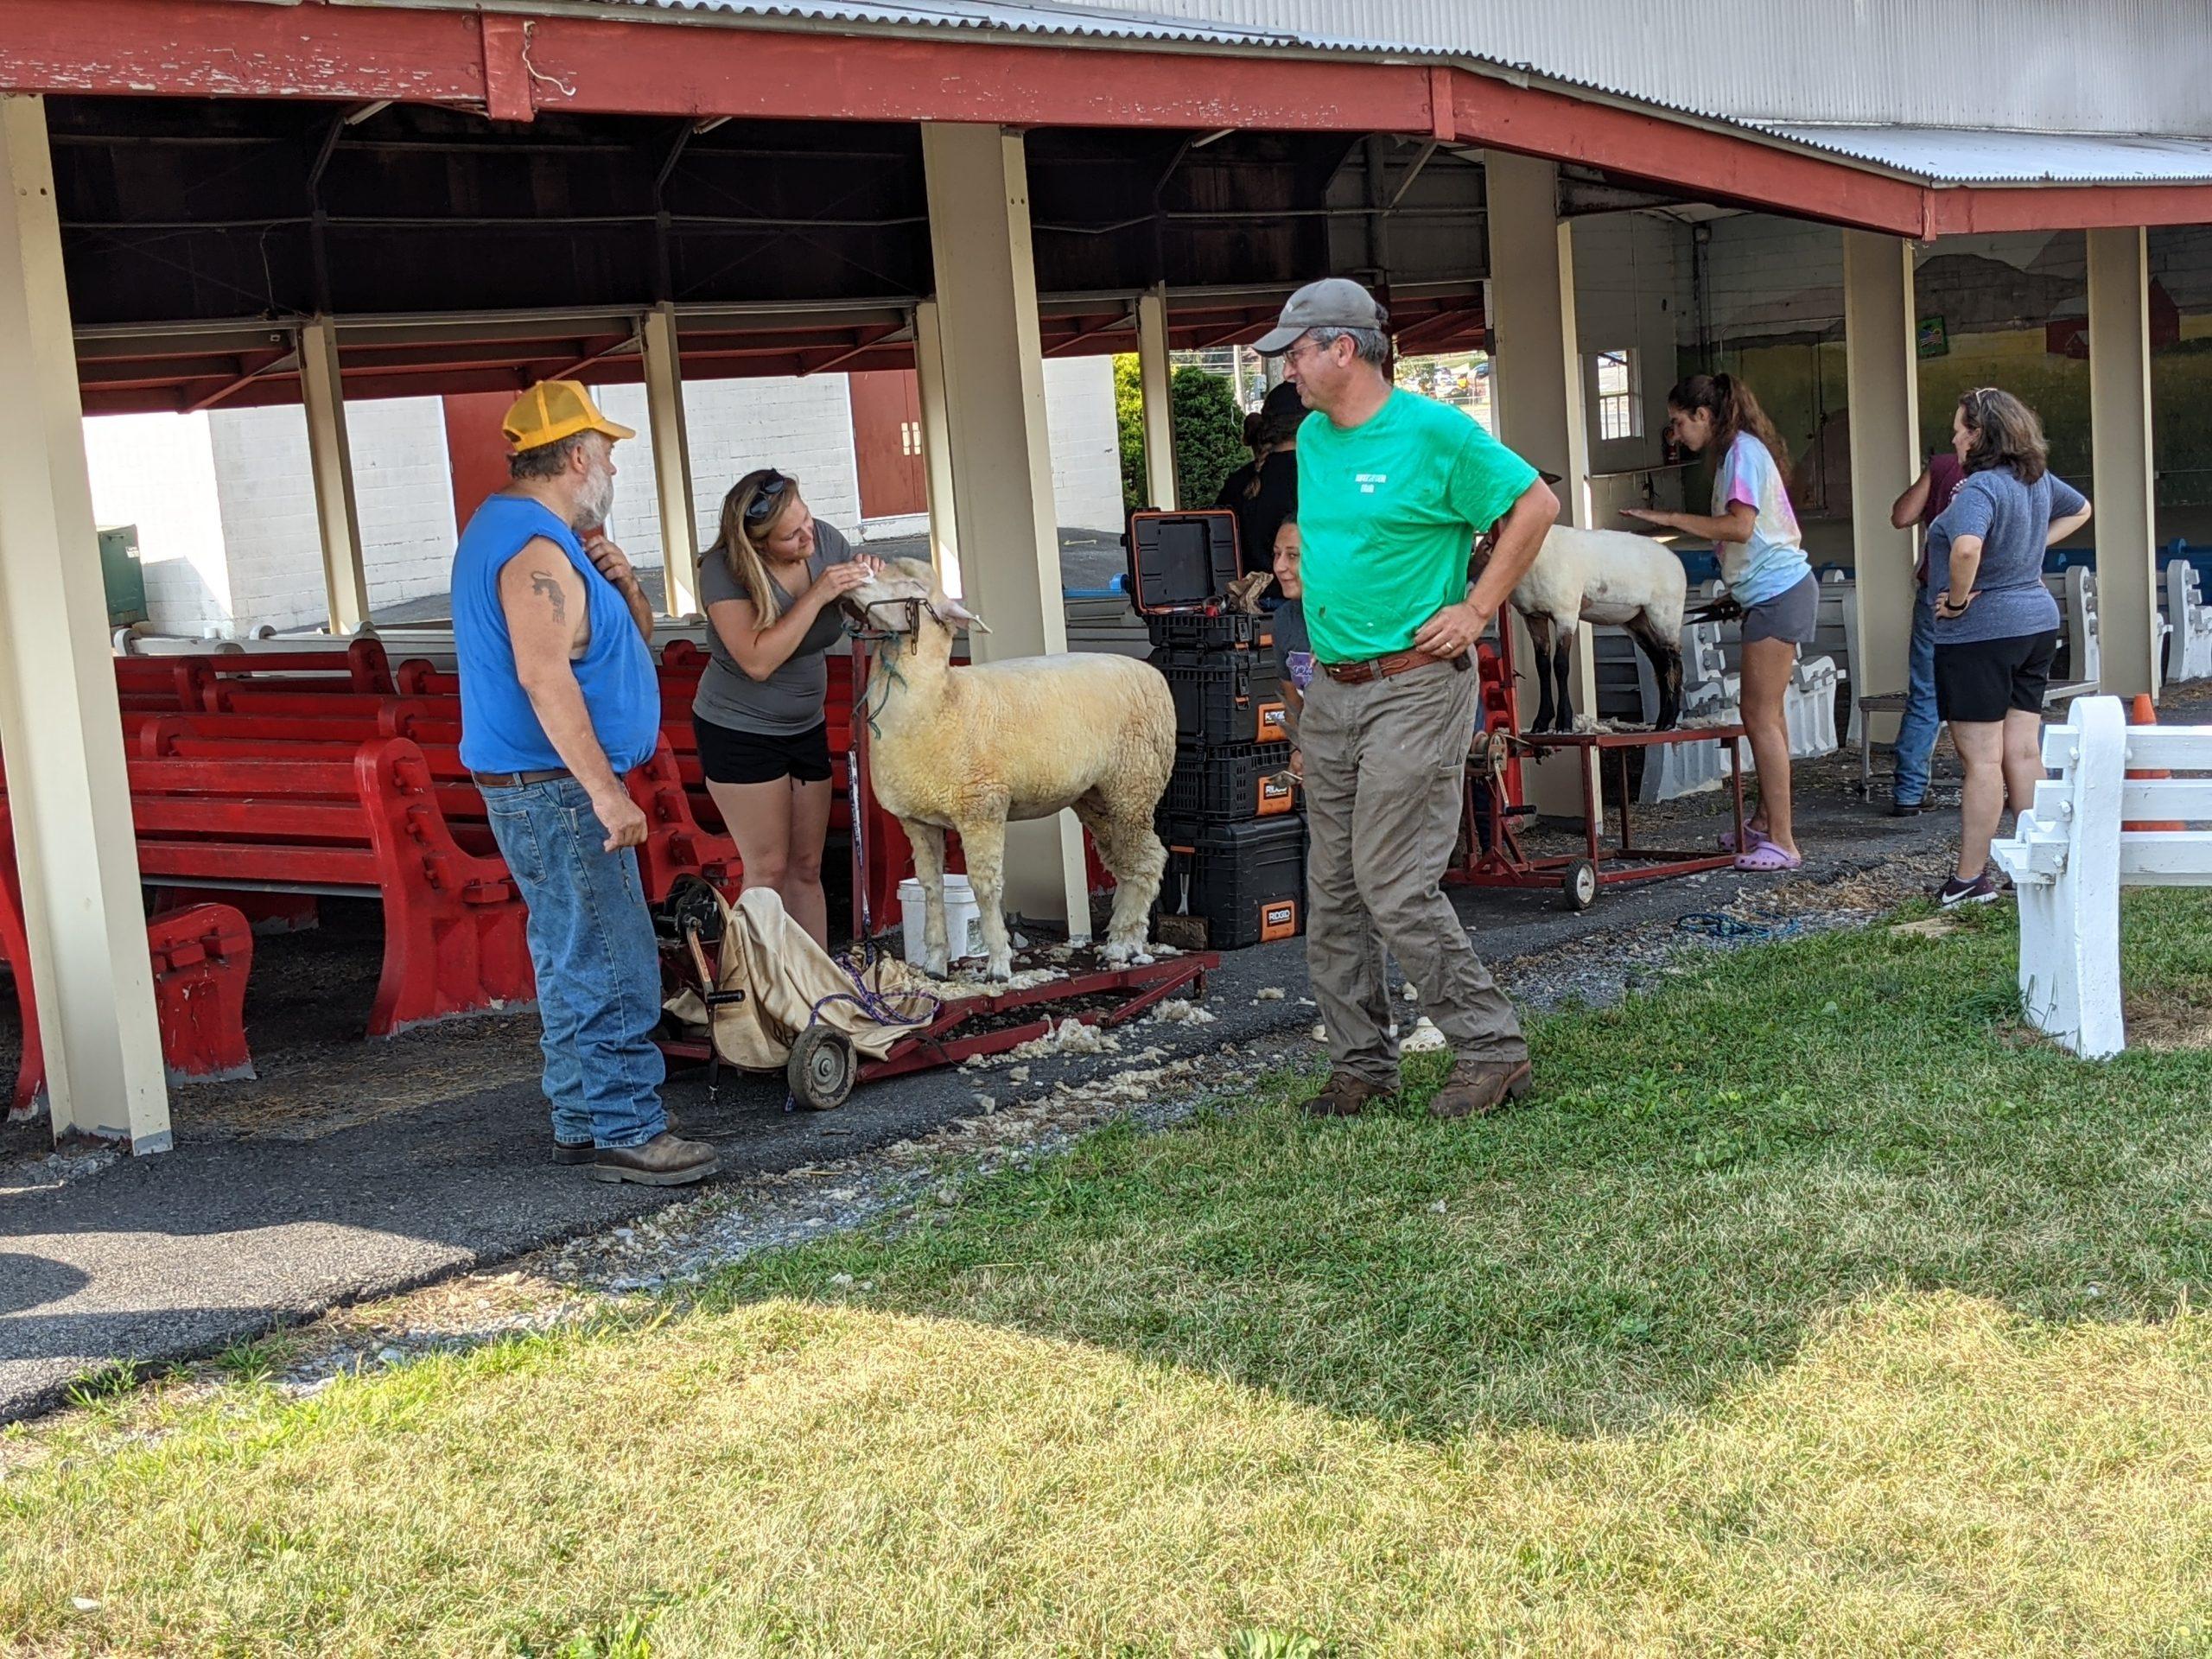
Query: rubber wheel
pixel 1581 885
pixel 822 1068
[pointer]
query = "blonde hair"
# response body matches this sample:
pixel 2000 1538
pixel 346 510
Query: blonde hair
pixel 735 542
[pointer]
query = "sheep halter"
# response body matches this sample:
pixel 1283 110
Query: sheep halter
pixel 886 661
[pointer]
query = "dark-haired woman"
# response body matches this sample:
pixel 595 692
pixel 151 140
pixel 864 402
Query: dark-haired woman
pixel 771 583
pixel 1996 624
pixel 1762 561
pixel 1264 491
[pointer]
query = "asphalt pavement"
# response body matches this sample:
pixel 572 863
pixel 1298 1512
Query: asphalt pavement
pixel 228 1235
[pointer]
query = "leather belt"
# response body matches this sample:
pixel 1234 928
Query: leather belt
pixel 1381 668
pixel 515 779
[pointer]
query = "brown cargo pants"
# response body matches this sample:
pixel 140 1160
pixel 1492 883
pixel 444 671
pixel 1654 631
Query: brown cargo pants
pixel 1385 767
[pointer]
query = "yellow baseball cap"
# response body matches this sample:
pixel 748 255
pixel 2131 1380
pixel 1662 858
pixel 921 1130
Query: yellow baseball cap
pixel 554 409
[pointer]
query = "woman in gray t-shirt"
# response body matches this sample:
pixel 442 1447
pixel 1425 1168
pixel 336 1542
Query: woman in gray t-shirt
pixel 1996 624
pixel 771 584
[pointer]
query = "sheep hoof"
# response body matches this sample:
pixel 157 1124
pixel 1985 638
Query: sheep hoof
pixel 937 963
pixel 1001 969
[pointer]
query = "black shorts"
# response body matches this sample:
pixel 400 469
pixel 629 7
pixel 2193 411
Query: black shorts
pixel 729 756
pixel 1979 681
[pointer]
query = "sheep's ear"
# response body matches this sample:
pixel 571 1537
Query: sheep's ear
pixel 950 611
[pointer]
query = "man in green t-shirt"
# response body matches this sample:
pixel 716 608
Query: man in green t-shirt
pixel 1393 491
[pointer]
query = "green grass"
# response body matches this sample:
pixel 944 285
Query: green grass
pixel 1809 1307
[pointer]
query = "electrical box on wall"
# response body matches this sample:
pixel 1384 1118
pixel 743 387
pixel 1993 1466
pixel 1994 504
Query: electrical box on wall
pixel 123 576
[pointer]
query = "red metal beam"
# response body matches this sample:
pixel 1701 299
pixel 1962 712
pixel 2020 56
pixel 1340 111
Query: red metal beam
pixel 224 49
pixel 1986 208
pixel 511 67
pixel 1729 167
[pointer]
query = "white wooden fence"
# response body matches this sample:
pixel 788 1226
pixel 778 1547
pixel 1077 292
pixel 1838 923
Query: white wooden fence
pixel 2087 836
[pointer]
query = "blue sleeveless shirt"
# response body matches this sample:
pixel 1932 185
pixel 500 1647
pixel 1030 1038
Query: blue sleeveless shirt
pixel 499 728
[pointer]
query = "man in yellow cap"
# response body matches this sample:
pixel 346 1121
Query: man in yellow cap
pixel 559 699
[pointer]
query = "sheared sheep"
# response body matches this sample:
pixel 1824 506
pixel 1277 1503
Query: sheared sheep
pixel 969 749
pixel 1603 576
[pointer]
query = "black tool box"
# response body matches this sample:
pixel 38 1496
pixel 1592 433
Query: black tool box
pixel 1224 697
pixel 1246 881
pixel 1181 561
pixel 1211 630
pixel 1240 780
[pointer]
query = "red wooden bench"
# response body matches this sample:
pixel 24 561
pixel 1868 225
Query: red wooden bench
pixel 201 955
pixel 361 667
pixel 674 846
pixel 363 822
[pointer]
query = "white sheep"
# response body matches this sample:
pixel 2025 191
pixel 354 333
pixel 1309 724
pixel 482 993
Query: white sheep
pixel 969 749
pixel 1603 576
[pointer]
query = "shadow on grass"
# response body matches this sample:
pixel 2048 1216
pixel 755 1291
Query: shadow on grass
pixel 1704 1175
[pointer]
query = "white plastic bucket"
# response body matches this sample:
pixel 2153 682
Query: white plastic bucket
pixel 964 921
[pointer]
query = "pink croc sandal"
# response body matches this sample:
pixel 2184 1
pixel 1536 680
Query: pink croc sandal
pixel 1752 834
pixel 1767 858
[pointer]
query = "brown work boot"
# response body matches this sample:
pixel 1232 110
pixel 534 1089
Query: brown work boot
pixel 664 1160
pixel 1477 1088
pixel 1343 1096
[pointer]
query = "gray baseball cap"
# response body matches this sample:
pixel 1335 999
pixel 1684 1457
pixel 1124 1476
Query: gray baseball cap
pixel 1333 302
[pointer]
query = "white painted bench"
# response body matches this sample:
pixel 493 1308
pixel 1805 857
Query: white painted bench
pixel 2189 643
pixel 2071 853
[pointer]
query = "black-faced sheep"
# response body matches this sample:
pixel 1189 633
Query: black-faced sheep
pixel 968 749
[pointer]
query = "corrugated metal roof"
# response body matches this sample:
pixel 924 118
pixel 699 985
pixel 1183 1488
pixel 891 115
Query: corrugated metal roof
pixel 1929 154
pixel 1954 156
pixel 1001 16
pixel 2109 66
pixel 1044 17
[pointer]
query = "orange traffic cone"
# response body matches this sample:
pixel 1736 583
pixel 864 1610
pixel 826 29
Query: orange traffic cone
pixel 2143 712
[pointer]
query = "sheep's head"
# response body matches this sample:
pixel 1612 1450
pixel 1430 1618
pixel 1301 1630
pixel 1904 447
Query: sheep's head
pixel 894 602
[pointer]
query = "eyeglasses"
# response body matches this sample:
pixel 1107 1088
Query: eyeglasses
pixel 763 504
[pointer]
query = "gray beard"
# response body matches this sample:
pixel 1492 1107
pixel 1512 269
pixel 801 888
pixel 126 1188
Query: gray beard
pixel 594 504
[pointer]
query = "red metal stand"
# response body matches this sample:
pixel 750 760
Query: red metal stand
pixel 938 1043
pixel 1495 855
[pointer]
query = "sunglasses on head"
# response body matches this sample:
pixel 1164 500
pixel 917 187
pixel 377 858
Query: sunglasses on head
pixel 765 497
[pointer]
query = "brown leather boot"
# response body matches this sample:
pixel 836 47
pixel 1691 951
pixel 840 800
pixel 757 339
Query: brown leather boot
pixel 1477 1088
pixel 1343 1096
pixel 664 1160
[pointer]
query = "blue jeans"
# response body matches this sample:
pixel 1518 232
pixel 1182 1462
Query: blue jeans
pixel 591 942
pixel 1917 728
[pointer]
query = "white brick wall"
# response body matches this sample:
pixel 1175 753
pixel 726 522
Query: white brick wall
pixel 1770 276
pixel 402 492
pixel 1631 289
pixel 157 471
pixel 803 426
pixel 1086 444
pixel 402 496
pixel 269 521
pixel 226 503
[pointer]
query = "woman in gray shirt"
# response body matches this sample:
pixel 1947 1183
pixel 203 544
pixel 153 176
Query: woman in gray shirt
pixel 771 583
pixel 1996 624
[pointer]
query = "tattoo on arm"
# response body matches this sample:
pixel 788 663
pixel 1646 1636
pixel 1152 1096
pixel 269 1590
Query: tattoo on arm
pixel 555 595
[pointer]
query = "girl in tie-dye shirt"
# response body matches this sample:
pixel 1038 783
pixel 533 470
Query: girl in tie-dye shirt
pixel 1763 558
